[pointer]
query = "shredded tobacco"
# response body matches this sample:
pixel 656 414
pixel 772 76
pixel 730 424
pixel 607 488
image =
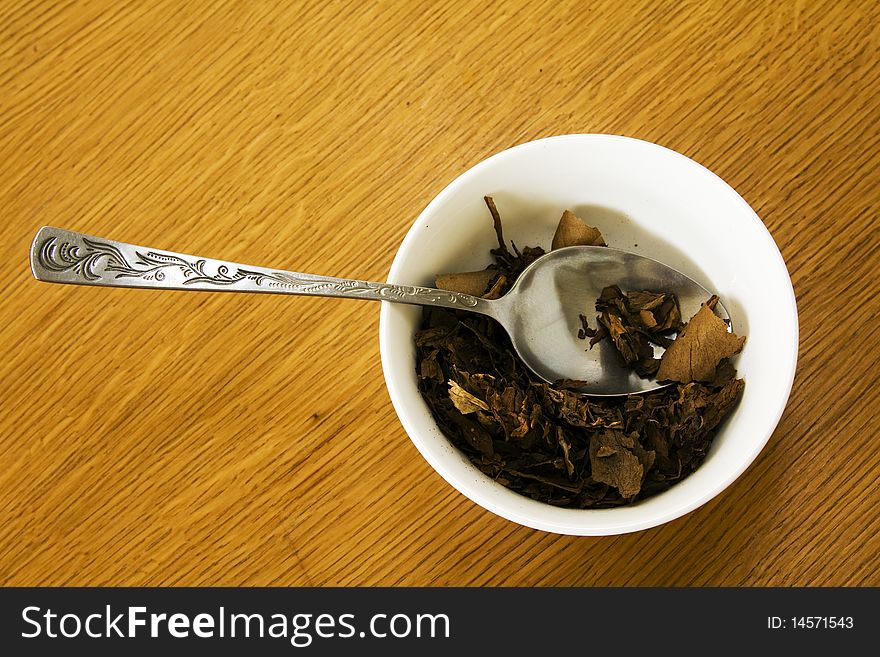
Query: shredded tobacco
pixel 553 444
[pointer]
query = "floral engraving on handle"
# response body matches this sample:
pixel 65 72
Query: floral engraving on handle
pixel 87 262
pixel 64 256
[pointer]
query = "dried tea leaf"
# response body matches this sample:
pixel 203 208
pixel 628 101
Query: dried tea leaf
pixel 429 368
pixel 497 288
pixel 496 221
pixel 647 318
pixel 585 331
pixel 468 282
pixel 700 346
pixel 635 321
pixel 464 401
pixel 556 482
pixel 573 231
pixel 511 265
pixel 472 434
pixel 512 409
pixel 721 403
pixel 614 463
pixel 643 300
pixel 566 451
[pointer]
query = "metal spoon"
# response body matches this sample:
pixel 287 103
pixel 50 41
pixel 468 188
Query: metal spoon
pixel 540 312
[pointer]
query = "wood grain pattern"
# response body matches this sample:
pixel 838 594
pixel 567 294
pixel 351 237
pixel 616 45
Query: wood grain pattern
pixel 179 439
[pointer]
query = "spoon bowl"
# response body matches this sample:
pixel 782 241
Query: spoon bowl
pixel 541 313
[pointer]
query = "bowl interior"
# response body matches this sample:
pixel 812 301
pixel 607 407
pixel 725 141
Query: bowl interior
pixel 645 199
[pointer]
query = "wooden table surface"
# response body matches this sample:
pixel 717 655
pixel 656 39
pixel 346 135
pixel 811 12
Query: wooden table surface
pixel 179 439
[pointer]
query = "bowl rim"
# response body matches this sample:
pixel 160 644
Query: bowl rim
pixel 529 520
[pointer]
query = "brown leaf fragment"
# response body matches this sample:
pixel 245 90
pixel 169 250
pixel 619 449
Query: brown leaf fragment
pixel 474 435
pixel 573 231
pixel 464 401
pixel 496 221
pixel 598 335
pixel 557 482
pixel 646 457
pixel 511 410
pixel 566 451
pixel 497 287
pixel 431 337
pixel 699 348
pixel 721 403
pixel 647 367
pixel 585 331
pixel 723 373
pixel 634 348
pixel 468 282
pixel 644 300
pixel 635 321
pixel 429 368
pixel 618 466
pixel 670 315
pixel 510 264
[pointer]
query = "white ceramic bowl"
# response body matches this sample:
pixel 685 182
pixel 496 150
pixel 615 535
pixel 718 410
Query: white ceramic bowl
pixel 646 199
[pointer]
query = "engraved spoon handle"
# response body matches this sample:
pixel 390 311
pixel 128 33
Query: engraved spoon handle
pixel 64 256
